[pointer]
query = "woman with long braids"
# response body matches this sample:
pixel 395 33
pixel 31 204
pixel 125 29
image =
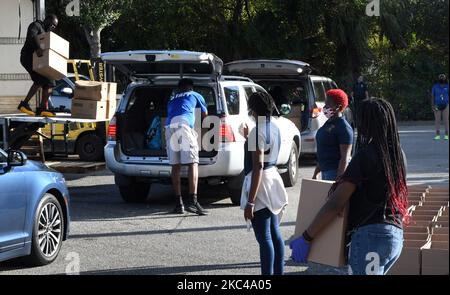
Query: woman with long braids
pixel 263 194
pixel 374 186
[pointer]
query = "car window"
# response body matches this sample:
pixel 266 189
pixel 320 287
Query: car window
pixel 57 91
pixel 232 99
pixel 3 157
pixel 248 91
pixel 319 91
pixel 327 85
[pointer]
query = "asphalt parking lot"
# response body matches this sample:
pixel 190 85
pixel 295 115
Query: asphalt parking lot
pixel 111 237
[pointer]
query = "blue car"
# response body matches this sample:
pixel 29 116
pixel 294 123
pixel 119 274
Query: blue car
pixel 34 209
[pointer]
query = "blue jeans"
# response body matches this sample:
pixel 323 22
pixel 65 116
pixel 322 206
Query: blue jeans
pixel 271 244
pixel 375 248
pixel 329 175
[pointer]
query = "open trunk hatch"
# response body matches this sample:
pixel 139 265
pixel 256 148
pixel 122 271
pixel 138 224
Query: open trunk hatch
pixel 147 104
pixel 150 63
pixel 267 67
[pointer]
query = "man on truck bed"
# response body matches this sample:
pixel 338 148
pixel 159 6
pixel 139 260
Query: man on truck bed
pixel 182 145
pixel 26 59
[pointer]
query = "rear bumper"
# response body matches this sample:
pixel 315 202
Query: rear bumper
pixel 227 163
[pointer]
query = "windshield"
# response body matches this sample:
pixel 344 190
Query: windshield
pixel 156 98
pixel 286 91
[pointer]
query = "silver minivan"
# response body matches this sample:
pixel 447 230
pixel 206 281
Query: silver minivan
pixel 291 82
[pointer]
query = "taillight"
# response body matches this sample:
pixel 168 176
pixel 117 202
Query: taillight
pixel 112 129
pixel 226 132
pixel 315 112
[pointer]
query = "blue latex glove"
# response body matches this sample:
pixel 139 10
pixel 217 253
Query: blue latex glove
pixel 300 250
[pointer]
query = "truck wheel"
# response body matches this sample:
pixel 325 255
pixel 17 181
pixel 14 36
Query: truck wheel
pixel 135 193
pixel 90 148
pixel 291 175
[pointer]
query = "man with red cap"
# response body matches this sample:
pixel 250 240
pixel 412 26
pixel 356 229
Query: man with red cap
pixel 335 138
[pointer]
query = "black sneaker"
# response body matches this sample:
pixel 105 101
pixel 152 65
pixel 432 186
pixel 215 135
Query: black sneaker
pixel 196 208
pixel 179 209
pixel 24 107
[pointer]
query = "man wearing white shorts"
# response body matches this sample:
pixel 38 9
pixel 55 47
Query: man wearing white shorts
pixel 182 144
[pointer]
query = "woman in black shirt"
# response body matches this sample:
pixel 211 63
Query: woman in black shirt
pixel 374 187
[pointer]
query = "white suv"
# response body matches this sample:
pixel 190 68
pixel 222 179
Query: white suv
pixel 305 93
pixel 155 75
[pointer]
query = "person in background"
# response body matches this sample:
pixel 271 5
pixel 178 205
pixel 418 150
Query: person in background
pixel 264 197
pixel 439 105
pixel 335 138
pixel 358 94
pixel 181 142
pixel 374 187
pixel 30 47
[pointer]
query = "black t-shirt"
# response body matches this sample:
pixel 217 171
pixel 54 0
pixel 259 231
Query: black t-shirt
pixel 369 204
pixel 34 29
pixel 359 91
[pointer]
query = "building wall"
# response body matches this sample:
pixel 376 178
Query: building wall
pixel 14 80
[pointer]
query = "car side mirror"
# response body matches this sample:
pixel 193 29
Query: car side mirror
pixel 16 158
pixel 285 109
pixel 67 91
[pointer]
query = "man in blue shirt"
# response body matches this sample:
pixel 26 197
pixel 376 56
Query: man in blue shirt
pixel 182 144
pixel 439 105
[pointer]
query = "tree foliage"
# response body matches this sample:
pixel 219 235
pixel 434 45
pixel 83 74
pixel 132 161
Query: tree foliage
pixel 400 52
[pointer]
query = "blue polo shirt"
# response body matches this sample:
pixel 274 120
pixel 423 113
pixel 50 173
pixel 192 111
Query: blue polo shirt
pixel 329 137
pixel 181 108
pixel 440 94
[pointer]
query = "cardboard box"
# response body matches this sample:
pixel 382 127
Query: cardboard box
pixel 439 223
pixel 420 211
pixel 416 229
pixel 421 223
pixel 54 42
pixel 410 260
pixel 440 230
pixel 428 218
pixel 428 207
pixel 50 65
pixel 409 236
pixel 92 90
pixel 111 109
pixel 434 202
pixel 328 247
pixel 89 109
pixel 112 91
pixel 435 259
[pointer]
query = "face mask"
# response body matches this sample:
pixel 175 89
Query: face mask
pixel 328 112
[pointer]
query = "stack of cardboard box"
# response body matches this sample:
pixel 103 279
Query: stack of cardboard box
pixel 94 100
pixel 53 63
pixel 425 248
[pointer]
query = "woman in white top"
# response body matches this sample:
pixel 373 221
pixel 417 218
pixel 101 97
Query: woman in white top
pixel 263 195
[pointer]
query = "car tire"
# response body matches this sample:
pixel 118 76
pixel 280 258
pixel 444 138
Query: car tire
pixel 90 148
pixel 48 231
pixel 136 192
pixel 291 175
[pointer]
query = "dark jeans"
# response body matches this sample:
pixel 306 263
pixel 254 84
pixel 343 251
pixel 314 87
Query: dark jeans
pixel 271 244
